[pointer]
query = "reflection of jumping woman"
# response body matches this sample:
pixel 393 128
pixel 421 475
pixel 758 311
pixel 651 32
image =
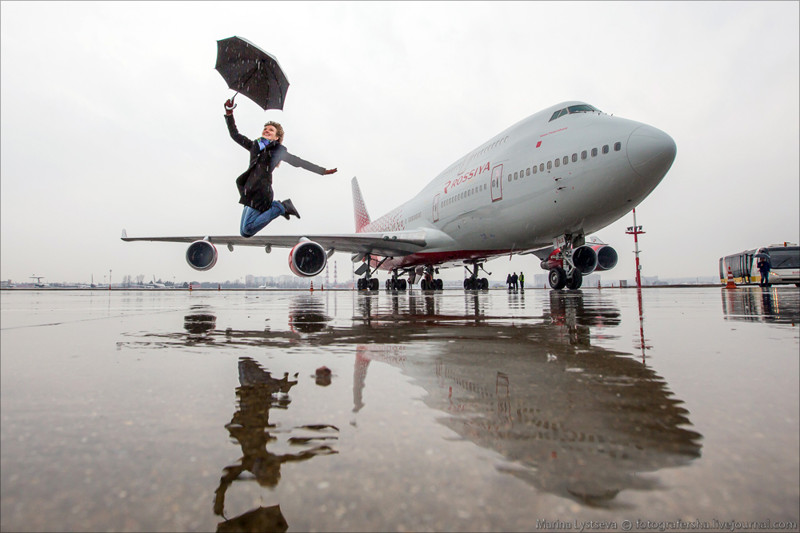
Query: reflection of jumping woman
pixel 255 184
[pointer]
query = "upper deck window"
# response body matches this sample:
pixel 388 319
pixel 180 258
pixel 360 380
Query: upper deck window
pixel 579 108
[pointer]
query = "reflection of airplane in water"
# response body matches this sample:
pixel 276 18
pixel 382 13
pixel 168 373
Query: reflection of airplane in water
pixel 251 428
pixel 762 304
pixel 570 418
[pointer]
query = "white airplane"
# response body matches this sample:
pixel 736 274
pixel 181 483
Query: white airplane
pixel 541 186
pixel 155 284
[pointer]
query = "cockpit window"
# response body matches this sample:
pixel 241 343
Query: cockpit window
pixel 583 108
pixel 559 113
pixel 580 108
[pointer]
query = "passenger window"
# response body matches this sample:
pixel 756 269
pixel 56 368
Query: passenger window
pixel 541 167
pixel 566 159
pixel 516 174
pixel 594 152
pixel 605 149
pixel 558 163
pixel 584 154
pixel 617 146
pixel 527 172
pixel 534 170
pixel 509 177
pixel 549 165
pixel 574 158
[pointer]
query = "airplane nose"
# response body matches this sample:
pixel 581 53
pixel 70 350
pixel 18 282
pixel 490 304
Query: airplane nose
pixel 650 152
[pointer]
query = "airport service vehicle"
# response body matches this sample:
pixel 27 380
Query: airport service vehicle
pixel 784 260
pixel 539 187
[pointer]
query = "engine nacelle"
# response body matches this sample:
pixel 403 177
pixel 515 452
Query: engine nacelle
pixel 307 258
pixel 583 257
pixel 606 256
pixel 201 255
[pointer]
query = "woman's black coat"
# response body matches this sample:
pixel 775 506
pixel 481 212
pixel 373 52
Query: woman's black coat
pixel 255 184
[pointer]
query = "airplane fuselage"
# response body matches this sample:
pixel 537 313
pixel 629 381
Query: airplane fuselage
pixel 537 180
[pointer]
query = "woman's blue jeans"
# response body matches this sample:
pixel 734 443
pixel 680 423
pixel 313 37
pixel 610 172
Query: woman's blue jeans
pixel 254 221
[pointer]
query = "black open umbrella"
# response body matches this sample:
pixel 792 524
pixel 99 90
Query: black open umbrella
pixel 249 70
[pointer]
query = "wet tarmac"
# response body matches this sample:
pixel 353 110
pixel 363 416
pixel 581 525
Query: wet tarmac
pixel 610 409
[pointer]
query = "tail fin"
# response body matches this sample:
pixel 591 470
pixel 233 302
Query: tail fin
pixel 360 210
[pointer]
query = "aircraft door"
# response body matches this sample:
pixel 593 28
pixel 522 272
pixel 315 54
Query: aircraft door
pixel 497 183
pixel 436 208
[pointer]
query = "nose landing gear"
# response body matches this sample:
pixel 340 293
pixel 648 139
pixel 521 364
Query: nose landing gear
pixel 566 275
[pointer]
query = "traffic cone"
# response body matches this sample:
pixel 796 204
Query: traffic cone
pixel 312 286
pixel 730 284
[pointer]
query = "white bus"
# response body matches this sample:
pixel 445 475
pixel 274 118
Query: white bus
pixel 784 259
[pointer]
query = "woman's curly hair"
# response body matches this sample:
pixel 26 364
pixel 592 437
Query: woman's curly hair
pixel 278 128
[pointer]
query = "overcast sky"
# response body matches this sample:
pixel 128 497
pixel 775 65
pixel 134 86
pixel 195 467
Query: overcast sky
pixel 112 118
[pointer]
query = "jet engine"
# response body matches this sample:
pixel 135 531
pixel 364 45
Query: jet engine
pixel 606 256
pixel 307 258
pixel 201 255
pixel 587 258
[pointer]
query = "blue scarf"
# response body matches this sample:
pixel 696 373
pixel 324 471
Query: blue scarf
pixel 263 143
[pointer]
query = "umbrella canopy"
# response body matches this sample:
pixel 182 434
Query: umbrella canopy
pixel 249 70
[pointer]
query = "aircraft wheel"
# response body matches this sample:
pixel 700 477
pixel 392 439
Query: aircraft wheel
pixel 575 282
pixel 469 284
pixel 360 284
pixel 438 284
pixel 401 284
pixel 374 284
pixel 557 278
pixel 424 285
pixel 484 284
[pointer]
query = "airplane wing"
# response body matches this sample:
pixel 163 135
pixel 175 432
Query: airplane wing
pixel 387 244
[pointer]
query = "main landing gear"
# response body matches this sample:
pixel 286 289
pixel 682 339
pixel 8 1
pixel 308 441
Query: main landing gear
pixel 395 283
pixel 368 283
pixel 428 282
pixel 473 282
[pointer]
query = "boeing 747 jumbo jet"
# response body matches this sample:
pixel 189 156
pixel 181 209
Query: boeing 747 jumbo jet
pixel 539 187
